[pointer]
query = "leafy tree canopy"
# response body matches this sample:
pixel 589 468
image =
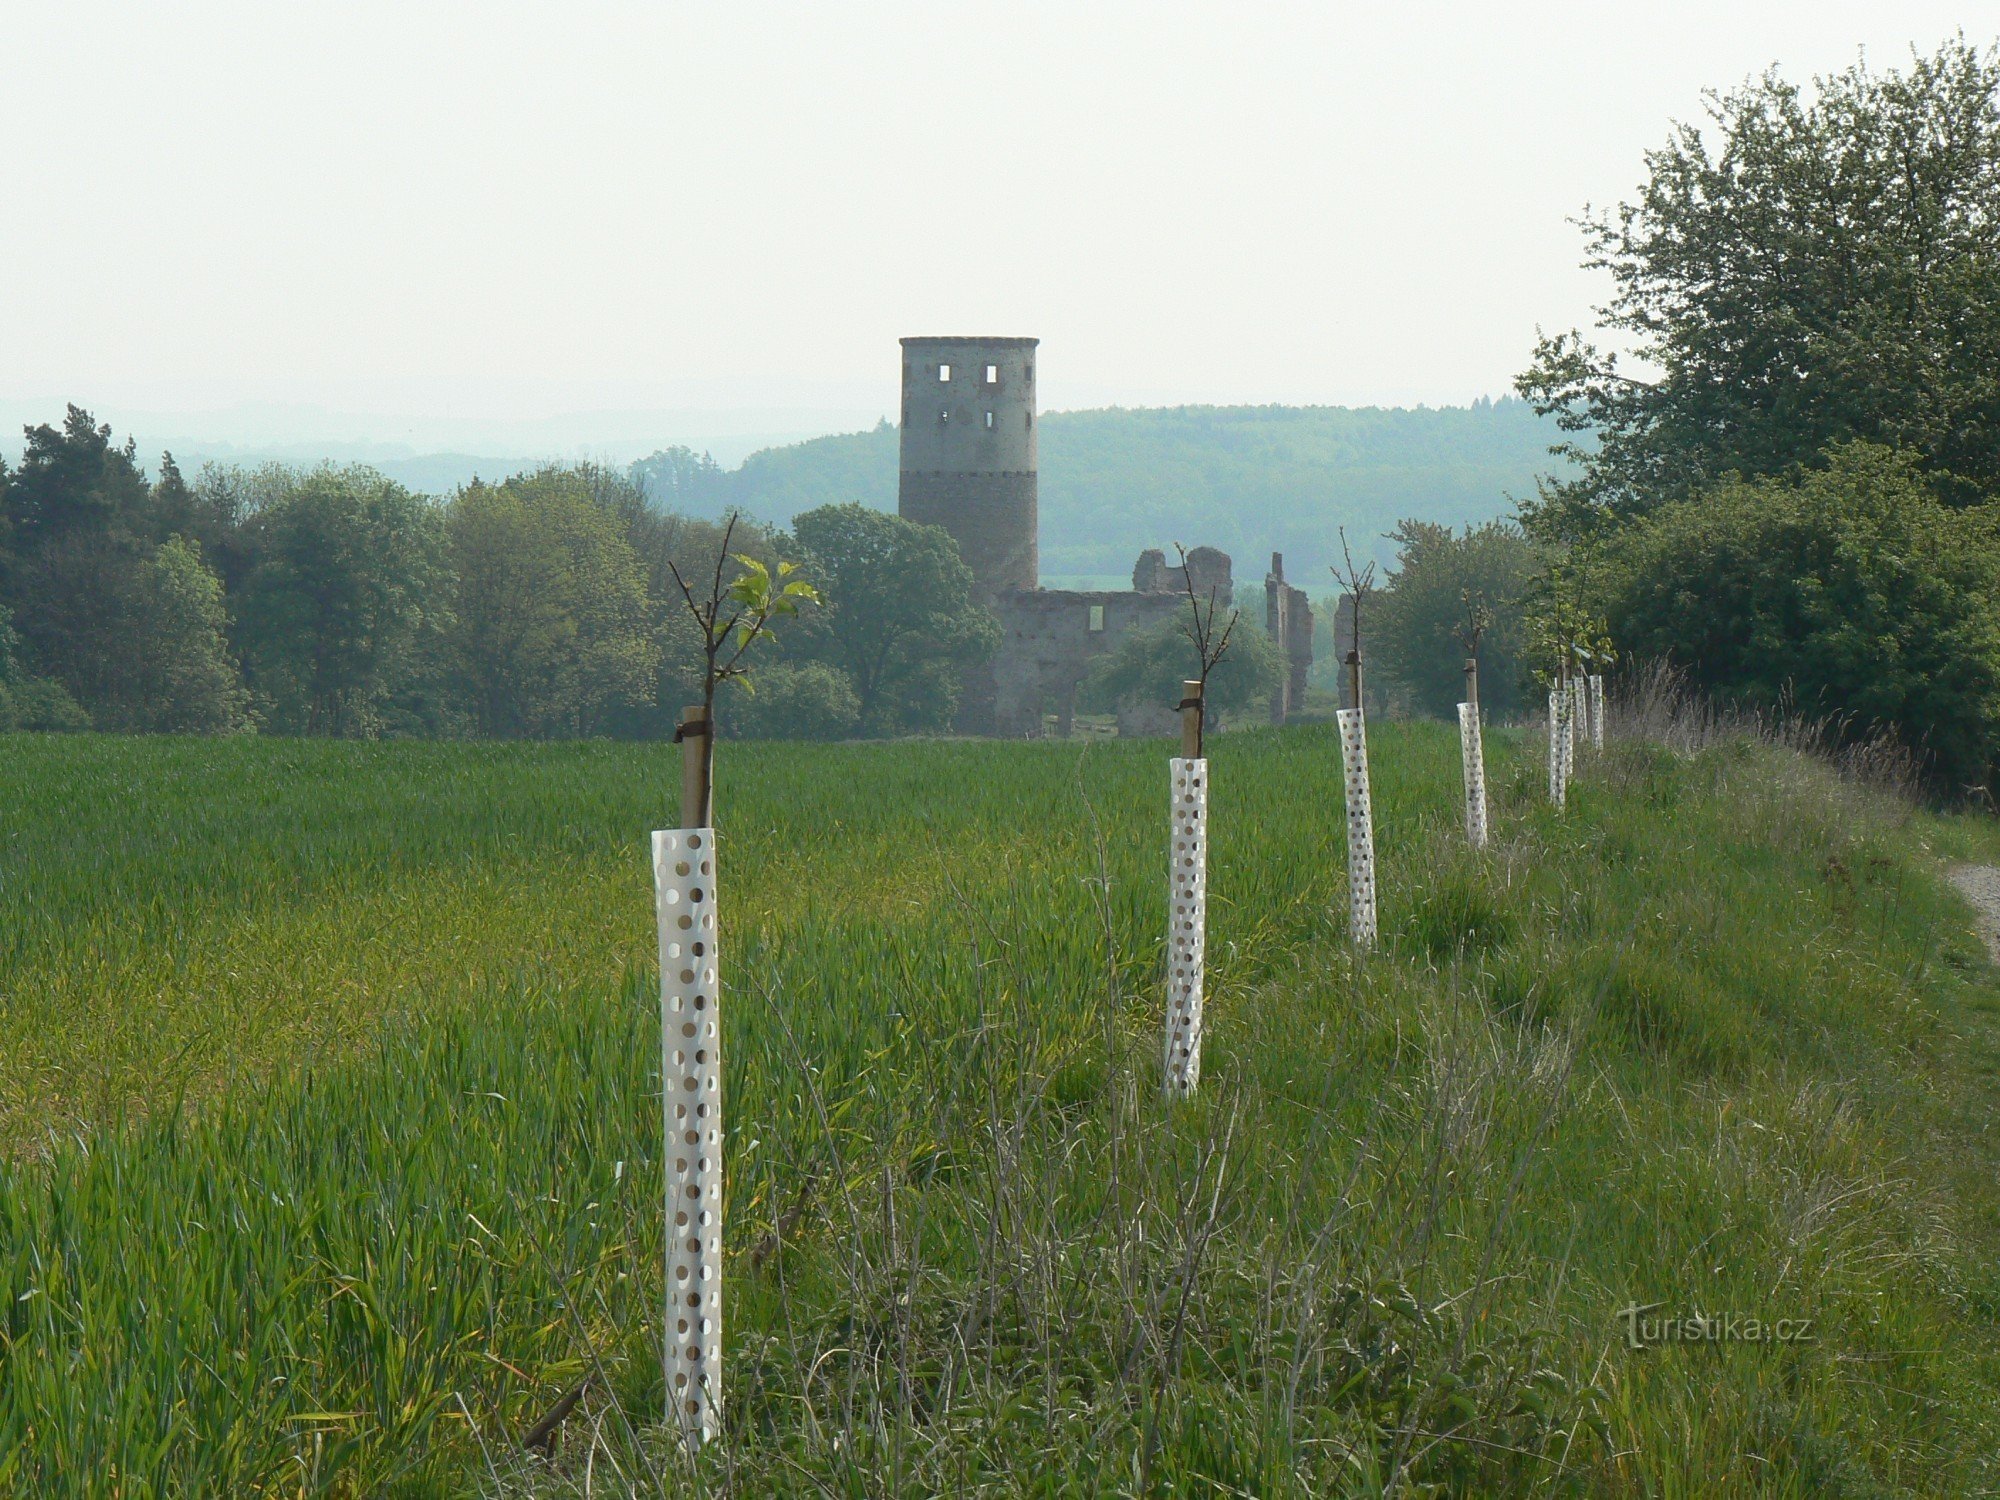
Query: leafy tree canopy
pixel 1444 584
pixel 899 618
pixel 1809 267
pixel 344 587
pixel 553 630
pixel 1850 591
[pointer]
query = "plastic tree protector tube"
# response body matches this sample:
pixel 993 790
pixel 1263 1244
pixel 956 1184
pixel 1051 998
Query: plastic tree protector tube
pixel 1475 774
pixel 1187 923
pixel 691 1076
pixel 1558 738
pixel 1360 828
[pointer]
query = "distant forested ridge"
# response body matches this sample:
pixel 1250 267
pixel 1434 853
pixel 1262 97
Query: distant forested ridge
pixel 1248 479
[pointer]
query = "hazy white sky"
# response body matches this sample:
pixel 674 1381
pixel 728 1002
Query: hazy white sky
pixel 526 211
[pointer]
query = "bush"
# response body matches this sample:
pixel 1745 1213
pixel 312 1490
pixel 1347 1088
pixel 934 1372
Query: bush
pixel 32 702
pixel 1849 592
pixel 1149 666
pixel 39 703
pixel 809 702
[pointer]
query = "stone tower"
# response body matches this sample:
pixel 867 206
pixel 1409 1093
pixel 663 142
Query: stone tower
pixel 969 449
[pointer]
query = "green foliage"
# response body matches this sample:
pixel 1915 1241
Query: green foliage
pixel 1146 667
pixel 343 598
pixel 35 703
pixel 757 597
pixel 553 630
pixel 1714 1036
pixel 1803 270
pixel 1419 626
pixel 192 685
pixel 680 481
pixel 900 621
pixel 1851 591
pixel 73 483
pixel 1248 479
pixel 812 701
pixel 1566 632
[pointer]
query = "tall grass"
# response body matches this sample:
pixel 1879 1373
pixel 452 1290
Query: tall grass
pixel 330 1078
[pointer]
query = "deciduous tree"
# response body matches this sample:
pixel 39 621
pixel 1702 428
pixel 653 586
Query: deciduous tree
pixel 899 618
pixel 1802 268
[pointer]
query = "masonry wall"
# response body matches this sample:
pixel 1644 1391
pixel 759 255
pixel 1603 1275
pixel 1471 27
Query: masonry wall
pixel 970 452
pixel 1047 646
pixel 992 517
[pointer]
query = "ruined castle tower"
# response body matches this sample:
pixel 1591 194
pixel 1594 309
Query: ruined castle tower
pixel 969 453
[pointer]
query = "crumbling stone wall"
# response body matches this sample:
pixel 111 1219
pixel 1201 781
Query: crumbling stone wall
pixel 1050 637
pixel 1048 644
pixel 1288 617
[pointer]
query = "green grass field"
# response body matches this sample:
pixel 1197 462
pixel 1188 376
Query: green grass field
pixel 329 1125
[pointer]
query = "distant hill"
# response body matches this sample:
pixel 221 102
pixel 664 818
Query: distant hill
pixel 1249 479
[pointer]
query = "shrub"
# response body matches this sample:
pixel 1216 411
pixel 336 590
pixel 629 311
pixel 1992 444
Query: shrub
pixel 32 702
pixel 1849 592
pixel 39 703
pixel 1149 666
pixel 813 701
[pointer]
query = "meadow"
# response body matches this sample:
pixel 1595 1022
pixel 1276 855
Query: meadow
pixel 329 1125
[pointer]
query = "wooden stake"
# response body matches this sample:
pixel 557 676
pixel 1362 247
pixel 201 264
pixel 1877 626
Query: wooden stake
pixel 697 763
pixel 1192 709
pixel 1472 680
pixel 1354 679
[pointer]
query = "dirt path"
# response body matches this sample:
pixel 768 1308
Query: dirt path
pixel 1980 884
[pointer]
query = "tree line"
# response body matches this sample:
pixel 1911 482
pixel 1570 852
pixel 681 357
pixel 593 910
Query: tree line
pixel 1790 492
pixel 333 601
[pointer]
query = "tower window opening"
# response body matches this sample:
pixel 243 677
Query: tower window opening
pixel 1028 371
pixel 989 421
pixel 1096 619
pixel 992 374
pixel 944 373
pixel 944 416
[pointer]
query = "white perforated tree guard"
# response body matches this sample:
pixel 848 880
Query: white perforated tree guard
pixel 1578 717
pixel 1475 774
pixel 1360 828
pixel 1570 733
pixel 1187 923
pixel 1596 712
pixel 1558 747
pixel 691 1079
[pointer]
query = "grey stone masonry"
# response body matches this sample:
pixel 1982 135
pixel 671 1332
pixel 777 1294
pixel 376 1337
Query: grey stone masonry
pixel 1288 617
pixel 969 450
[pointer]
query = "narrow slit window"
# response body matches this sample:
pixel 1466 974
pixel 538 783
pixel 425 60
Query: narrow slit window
pixel 992 374
pixel 944 374
pixel 989 421
pixel 1096 619
pixel 944 416
pixel 1028 372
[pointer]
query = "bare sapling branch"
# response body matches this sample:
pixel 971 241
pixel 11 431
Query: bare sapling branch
pixel 1478 617
pixel 1209 648
pixel 1358 582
